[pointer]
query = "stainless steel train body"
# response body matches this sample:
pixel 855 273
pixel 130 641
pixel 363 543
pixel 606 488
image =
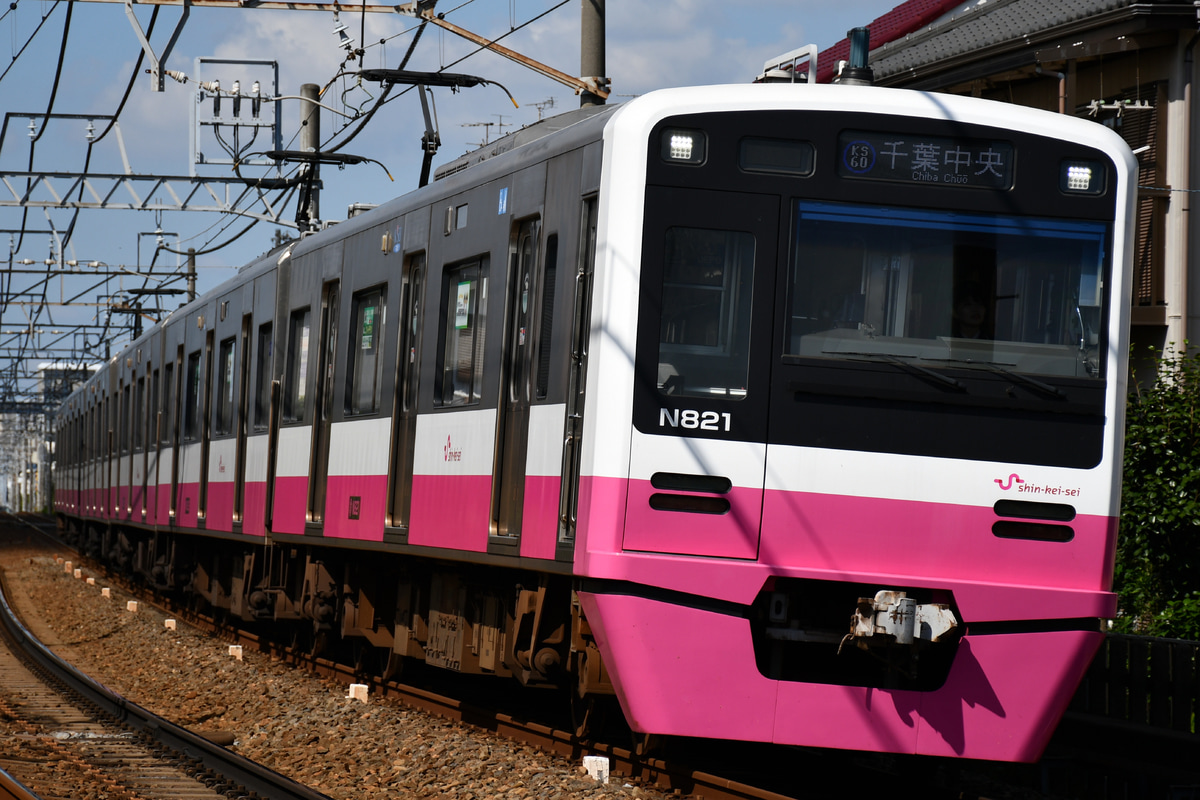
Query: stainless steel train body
pixel 784 413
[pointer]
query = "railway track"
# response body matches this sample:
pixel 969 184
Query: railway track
pixel 626 763
pixel 735 771
pixel 69 736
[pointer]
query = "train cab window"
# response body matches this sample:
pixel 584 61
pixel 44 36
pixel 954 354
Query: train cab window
pixel 191 398
pixel 461 337
pixel 225 377
pixel 704 339
pixel 299 330
pixel 262 377
pixel 947 289
pixel 365 372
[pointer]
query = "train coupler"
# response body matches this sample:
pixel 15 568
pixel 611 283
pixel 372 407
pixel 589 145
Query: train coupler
pixel 893 618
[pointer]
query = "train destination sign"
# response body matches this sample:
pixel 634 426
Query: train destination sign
pixel 904 158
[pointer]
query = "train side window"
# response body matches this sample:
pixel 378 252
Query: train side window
pixel 704 338
pixel 191 397
pixel 225 391
pixel 123 421
pixel 299 330
pixel 461 337
pixel 167 431
pixel 262 376
pixel 549 283
pixel 365 372
pixel 137 422
pixel 152 417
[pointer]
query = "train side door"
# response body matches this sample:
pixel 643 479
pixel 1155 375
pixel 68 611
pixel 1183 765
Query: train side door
pixel 568 509
pixel 404 425
pixel 323 411
pixel 508 485
pixel 206 412
pixel 175 400
pixel 242 422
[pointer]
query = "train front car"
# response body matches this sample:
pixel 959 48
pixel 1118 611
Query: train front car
pixel 852 459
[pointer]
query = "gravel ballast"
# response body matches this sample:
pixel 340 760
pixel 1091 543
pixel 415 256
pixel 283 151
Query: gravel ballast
pixel 298 724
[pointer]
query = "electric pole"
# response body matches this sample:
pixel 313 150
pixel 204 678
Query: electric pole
pixel 591 50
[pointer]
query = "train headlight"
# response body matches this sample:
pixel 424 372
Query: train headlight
pixel 1081 177
pixel 684 146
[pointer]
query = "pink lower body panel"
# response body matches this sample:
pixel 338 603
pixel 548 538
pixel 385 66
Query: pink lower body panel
pixel 254 510
pixel 152 503
pixel 187 505
pixel 688 672
pixel 731 534
pixel 539 516
pixel 356 507
pixel 218 516
pixel 163 504
pixel 451 511
pixel 291 505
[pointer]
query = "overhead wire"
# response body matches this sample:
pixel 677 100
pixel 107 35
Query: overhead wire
pixel 385 97
pixel 41 303
pixel 112 122
pixel 524 24
pixel 358 124
pixel 29 41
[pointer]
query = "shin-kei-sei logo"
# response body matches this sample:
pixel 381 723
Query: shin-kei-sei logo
pixel 1007 483
pixel 451 453
pixel 355 507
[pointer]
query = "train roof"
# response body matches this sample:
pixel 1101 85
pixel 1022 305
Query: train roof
pixel 525 135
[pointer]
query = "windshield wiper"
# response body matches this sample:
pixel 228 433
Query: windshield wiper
pixel 1025 380
pixel 920 371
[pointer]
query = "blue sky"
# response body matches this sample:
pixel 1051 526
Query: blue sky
pixel 650 46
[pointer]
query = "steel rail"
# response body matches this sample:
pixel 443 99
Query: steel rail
pixel 12 789
pixel 254 778
pixel 664 775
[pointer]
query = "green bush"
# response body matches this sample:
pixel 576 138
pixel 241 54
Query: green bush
pixel 1158 554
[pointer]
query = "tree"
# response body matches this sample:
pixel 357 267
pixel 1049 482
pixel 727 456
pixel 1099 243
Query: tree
pixel 1158 554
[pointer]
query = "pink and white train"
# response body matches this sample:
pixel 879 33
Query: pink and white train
pixel 784 413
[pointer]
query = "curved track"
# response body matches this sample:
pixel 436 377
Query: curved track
pixel 536 730
pixel 77 734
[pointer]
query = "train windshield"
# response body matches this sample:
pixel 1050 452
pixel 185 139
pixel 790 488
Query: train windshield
pixel 947 289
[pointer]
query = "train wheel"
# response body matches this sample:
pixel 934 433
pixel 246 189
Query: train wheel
pixel 299 637
pixel 394 668
pixel 647 744
pixel 320 644
pixel 585 715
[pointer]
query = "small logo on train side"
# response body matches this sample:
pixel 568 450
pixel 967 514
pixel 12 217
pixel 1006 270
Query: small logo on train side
pixel 451 453
pixel 1024 487
pixel 1007 483
pixel 355 507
